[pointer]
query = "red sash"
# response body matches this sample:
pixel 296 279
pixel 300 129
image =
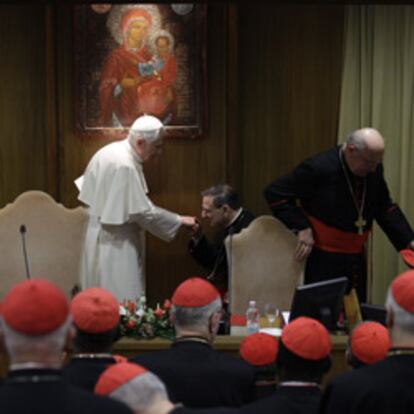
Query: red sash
pixel 334 240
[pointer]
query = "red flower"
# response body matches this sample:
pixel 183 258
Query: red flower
pixel 131 305
pixel 131 324
pixel 159 313
pixel 167 304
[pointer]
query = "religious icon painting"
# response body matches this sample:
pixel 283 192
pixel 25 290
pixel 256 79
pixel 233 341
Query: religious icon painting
pixel 135 59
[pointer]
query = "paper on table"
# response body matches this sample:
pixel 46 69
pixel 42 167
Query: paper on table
pixel 271 331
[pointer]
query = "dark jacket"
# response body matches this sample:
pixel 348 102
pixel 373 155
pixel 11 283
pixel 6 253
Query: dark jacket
pixel 84 372
pixel 198 376
pixel 382 388
pixel 287 400
pixel 40 391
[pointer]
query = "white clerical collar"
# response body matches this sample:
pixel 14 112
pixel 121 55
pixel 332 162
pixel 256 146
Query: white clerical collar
pixel 33 365
pixel 239 211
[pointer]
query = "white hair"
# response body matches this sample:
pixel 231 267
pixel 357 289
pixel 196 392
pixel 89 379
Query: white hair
pixel 150 136
pixel 194 318
pixel 356 139
pixel 18 343
pixel 403 319
pixel 141 392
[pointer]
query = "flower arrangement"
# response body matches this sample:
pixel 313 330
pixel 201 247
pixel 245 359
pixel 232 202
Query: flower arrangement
pixel 140 322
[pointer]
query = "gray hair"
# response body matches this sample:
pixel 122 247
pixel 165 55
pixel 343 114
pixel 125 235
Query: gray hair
pixel 18 343
pixel 141 392
pixel 356 139
pixel 150 136
pixel 194 318
pixel 402 318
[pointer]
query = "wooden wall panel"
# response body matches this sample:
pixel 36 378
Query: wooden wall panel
pixel 289 73
pixel 24 161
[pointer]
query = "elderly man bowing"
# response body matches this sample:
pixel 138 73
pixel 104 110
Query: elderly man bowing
pixel 341 192
pixel 114 188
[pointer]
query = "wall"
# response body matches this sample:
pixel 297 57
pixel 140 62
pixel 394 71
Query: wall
pixel 273 89
pixel 289 84
pixel 26 158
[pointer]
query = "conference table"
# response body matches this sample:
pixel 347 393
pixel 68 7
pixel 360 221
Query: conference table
pixel 228 344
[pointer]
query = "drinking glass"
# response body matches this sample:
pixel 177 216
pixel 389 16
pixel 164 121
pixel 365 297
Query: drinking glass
pixel 271 313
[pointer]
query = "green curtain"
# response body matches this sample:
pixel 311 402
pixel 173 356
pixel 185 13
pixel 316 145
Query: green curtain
pixel 378 91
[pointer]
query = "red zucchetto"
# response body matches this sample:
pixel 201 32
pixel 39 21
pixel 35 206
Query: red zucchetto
pixel 259 349
pixel 408 256
pixel 117 375
pixel 194 292
pixel 35 307
pixel 95 310
pixel 370 342
pixel 307 338
pixel 402 289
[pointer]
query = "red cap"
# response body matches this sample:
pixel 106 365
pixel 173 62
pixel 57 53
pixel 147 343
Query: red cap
pixel 95 310
pixel 117 375
pixel 402 289
pixel 35 307
pixel 370 342
pixel 307 338
pixel 259 349
pixel 408 256
pixel 194 292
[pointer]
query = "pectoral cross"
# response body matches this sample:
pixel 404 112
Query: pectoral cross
pixel 360 223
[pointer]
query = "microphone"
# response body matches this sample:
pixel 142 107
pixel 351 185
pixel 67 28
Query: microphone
pixel 26 262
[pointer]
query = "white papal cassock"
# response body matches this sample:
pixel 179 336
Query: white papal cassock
pixel 114 189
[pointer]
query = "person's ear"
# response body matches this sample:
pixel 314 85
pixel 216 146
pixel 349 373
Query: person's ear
pixel 226 210
pixel 140 142
pixel 2 342
pixel 348 355
pixel 389 318
pixel 70 338
pixel 352 149
pixel 214 322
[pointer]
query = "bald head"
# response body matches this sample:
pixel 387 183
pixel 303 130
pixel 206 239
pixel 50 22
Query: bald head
pixel 364 150
pixel 366 137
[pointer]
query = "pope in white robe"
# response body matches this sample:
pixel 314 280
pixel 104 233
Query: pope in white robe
pixel 114 189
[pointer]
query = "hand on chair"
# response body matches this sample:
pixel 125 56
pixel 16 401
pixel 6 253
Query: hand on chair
pixel 305 244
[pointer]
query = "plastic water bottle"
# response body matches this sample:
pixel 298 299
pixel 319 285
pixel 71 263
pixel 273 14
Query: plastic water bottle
pixel 252 318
